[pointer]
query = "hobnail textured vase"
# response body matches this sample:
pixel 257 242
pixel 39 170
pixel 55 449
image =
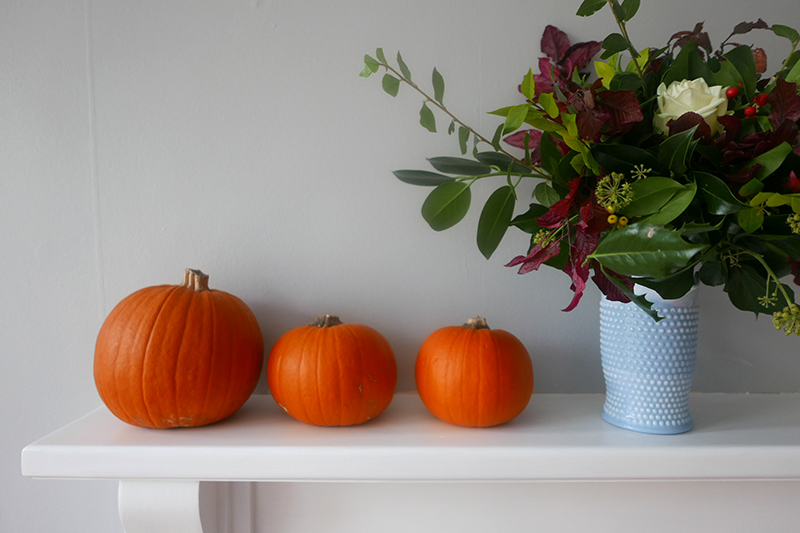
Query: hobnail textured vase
pixel 648 366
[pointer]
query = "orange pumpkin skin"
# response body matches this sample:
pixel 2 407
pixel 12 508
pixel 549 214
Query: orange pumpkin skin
pixel 332 374
pixel 178 355
pixel 473 376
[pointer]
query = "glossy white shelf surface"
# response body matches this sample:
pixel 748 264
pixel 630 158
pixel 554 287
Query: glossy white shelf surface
pixel 559 437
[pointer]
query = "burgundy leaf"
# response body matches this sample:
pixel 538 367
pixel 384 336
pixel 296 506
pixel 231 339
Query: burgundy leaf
pixel 536 258
pixel 555 43
pixel 579 55
pixel 793 183
pixel 593 217
pixel 745 27
pixel 682 38
pixel 577 267
pixel 559 211
pixel 795 266
pixel 622 105
pixel 784 103
pixel 688 121
pixel 610 290
pixel 517 139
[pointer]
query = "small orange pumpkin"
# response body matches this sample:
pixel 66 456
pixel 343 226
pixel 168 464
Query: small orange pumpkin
pixel 178 355
pixel 332 374
pixel 474 376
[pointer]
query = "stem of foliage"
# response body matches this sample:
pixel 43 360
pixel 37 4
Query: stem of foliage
pixel 770 274
pixel 452 116
pixel 631 49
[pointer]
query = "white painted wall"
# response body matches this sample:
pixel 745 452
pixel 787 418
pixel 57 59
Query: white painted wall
pixel 140 138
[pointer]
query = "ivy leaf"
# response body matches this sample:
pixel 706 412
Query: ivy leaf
pixel 590 7
pixel 642 251
pixel 718 197
pixel 424 178
pixel 495 219
pixel 403 67
pixel 391 84
pixel 438 86
pixel 447 205
pixel 426 118
pixel 746 285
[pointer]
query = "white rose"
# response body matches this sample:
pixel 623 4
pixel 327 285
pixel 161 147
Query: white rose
pixel 690 96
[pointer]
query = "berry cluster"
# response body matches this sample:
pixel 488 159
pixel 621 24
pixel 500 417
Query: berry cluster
pixel 751 110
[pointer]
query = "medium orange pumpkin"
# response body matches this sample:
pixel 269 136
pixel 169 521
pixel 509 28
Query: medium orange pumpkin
pixel 178 355
pixel 474 376
pixel 332 374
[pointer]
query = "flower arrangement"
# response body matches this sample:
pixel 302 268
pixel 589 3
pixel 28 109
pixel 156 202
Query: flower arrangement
pixel 662 167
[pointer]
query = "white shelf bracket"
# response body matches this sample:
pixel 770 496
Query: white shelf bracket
pixel 154 506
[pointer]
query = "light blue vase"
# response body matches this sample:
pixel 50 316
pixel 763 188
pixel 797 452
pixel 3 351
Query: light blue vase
pixel 648 366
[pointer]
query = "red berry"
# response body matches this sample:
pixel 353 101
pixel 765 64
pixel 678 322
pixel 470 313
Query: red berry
pixel 750 111
pixel 732 92
pixel 761 99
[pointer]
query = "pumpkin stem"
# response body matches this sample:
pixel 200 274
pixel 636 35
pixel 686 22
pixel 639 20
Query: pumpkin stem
pixel 326 321
pixel 195 279
pixel 477 323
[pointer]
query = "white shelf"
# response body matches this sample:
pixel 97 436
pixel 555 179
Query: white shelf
pixel 558 438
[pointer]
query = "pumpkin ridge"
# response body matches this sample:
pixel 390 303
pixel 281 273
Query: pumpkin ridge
pixel 146 356
pixel 213 344
pixel 185 317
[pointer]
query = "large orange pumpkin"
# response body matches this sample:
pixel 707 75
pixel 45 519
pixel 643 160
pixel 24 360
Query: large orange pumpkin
pixel 474 376
pixel 178 355
pixel 332 374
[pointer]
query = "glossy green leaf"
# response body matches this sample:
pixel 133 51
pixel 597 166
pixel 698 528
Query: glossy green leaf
pixel 424 178
pixel 623 157
pixel 403 67
pixel 742 59
pixel 674 207
pixel 459 166
pixel 644 251
pixel 391 84
pixel 650 195
pixel 426 118
pixel 615 43
pixel 590 7
pixel 785 31
pixel 688 65
pixel 495 219
pixel 751 219
pixel 770 161
pixel 676 150
pixel 438 86
pixel 718 197
pixel 527 220
pixel 712 273
pixel 546 195
pixel 447 205
pixel 671 288
pixel 630 7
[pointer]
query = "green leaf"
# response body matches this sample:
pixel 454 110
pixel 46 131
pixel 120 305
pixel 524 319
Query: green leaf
pixel 673 287
pixel 438 86
pixel 403 67
pixel 452 127
pixel 590 7
pixel 785 31
pixel 645 251
pixel 427 119
pixel 391 84
pixel 548 101
pixel 718 197
pixel 770 161
pixel 380 56
pixel 516 117
pixel 459 166
pixel 447 205
pixel 622 157
pixel 650 195
pixel 794 75
pixel 630 7
pixel 498 134
pixel 424 178
pixel 495 218
pixel 615 43
pixel 676 150
pixel 742 59
pixel 546 195
pixel 674 207
pixel 712 273
pixel 688 65
pixel 463 137
pixel 370 65
pixel 751 219
pixel 527 220
pixel 746 285
pixel 751 187
pixel 528 86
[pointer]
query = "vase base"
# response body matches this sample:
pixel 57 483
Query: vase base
pixel 674 429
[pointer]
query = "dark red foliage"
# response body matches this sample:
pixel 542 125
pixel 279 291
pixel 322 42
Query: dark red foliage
pixel 610 290
pixel 562 60
pixel 537 257
pixel 688 121
pixel 793 183
pixel 682 38
pixel 784 103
